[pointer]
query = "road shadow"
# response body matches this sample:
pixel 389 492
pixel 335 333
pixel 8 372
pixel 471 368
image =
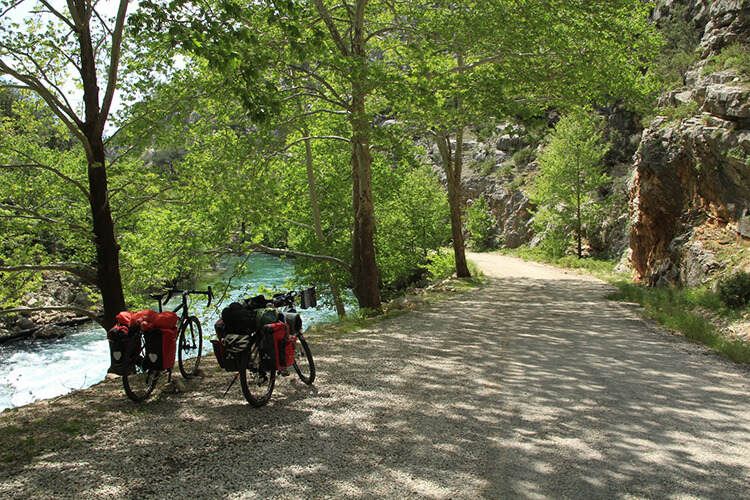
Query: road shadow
pixel 527 388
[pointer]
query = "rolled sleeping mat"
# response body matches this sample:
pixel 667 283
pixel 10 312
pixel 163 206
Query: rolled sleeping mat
pixel 294 321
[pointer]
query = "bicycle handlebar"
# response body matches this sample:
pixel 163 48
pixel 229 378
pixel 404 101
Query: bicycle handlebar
pixel 168 294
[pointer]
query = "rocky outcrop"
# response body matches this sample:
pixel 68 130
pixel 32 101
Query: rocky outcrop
pixel 695 171
pixel 57 289
pixel 493 169
pixel 728 23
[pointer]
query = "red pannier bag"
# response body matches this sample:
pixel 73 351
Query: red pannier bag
pixel 165 320
pixel 144 316
pixel 277 347
pixel 125 318
pixel 217 344
pixel 287 350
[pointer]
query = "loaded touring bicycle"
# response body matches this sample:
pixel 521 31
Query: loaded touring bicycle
pixel 261 338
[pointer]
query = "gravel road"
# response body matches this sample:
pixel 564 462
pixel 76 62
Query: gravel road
pixel 534 386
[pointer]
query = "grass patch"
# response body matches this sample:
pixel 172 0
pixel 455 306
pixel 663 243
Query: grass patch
pixel 733 57
pixel 22 440
pixel 687 311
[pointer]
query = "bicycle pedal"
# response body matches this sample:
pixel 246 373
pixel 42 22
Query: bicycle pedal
pixel 284 373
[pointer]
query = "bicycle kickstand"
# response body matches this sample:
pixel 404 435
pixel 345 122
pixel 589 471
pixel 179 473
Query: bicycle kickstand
pixel 231 383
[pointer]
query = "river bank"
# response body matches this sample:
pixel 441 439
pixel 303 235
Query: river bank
pixel 35 368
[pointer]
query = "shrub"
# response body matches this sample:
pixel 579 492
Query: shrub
pixel 733 57
pixel 523 157
pixel 442 264
pixel 480 224
pixel 734 290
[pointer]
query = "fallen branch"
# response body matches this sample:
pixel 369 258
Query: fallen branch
pixel 84 312
pixel 30 331
pixel 292 253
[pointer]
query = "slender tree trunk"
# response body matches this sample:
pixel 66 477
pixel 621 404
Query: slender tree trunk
pixel 453 165
pixel 579 228
pixel 107 249
pixel 340 310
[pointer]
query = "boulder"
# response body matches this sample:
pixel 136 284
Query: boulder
pixel 49 332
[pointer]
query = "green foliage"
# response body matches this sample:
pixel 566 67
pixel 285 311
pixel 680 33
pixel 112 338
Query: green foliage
pixel 680 112
pixel 556 240
pixel 43 212
pixel 571 173
pixel 732 57
pixel 442 264
pixel 734 290
pixel 480 224
pixel 679 49
pixel 523 157
pixel 412 214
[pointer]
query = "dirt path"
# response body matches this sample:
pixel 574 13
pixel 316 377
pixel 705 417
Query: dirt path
pixel 533 387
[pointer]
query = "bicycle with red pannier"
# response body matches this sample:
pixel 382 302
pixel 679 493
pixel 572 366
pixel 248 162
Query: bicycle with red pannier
pixel 144 344
pixel 261 338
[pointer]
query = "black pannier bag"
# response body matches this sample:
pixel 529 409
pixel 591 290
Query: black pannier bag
pixel 229 347
pixel 267 348
pixel 308 298
pixel 257 302
pixel 238 319
pixel 154 350
pixel 119 338
pixel 229 350
pixel 293 320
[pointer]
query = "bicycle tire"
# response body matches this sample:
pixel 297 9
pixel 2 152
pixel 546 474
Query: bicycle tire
pixel 303 361
pixel 139 382
pixel 257 385
pixel 190 347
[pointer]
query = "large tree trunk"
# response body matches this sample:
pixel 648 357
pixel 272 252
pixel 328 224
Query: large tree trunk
pixel 364 267
pixel 353 48
pixel 107 249
pixel 453 165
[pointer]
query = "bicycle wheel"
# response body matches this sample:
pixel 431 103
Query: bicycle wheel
pixel 190 347
pixel 257 385
pixel 139 382
pixel 303 361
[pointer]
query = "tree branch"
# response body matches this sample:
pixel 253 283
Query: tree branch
pixel 292 253
pixel 83 271
pixel 48 168
pixel 335 35
pixel 114 61
pixel 33 214
pixel 60 109
pixel 334 137
pixel 57 14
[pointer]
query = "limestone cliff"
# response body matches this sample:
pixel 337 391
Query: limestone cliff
pixel 690 192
